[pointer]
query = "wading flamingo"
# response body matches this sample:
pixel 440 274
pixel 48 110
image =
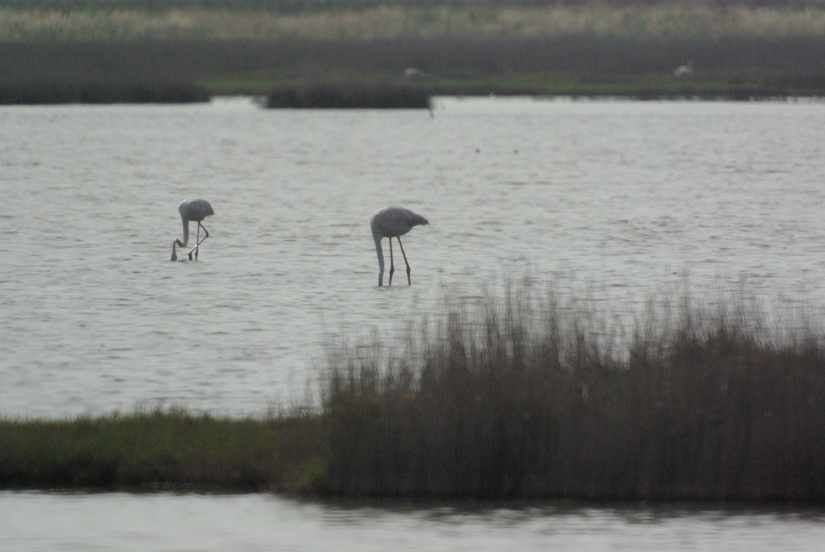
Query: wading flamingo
pixel 392 222
pixel 197 210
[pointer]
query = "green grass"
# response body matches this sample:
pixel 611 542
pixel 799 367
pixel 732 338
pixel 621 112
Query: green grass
pixel 158 449
pixel 526 395
pixel 100 92
pixel 349 96
pixel 191 70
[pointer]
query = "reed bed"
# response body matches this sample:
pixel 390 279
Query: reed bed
pixel 485 403
pixel 349 96
pixel 158 449
pixel 99 92
pixel 575 66
pixel 51 51
pixel 366 20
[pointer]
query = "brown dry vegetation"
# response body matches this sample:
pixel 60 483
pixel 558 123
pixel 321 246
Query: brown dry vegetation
pixel 422 20
pixel 740 49
pixel 702 404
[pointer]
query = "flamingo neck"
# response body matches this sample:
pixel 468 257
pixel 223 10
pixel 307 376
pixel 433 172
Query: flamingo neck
pixel 181 243
pixel 380 252
pixel 185 234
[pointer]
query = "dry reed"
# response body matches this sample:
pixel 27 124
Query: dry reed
pixel 368 21
pixel 700 403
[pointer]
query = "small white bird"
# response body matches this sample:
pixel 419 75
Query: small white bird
pixel 684 70
pixel 393 222
pixel 413 73
pixel 197 210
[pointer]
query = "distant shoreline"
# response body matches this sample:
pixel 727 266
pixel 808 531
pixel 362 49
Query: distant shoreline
pixel 193 70
pixel 188 50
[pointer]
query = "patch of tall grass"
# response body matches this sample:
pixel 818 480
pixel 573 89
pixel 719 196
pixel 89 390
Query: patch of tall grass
pixel 363 20
pixel 159 448
pixel 99 92
pixel 535 397
pixel 349 96
pixel 575 66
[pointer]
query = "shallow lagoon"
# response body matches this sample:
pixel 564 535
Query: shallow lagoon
pixel 612 200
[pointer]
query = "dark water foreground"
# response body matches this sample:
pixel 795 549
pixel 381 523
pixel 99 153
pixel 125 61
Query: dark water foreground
pixel 519 400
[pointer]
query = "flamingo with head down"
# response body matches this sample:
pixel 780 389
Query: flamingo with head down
pixel 393 222
pixel 196 210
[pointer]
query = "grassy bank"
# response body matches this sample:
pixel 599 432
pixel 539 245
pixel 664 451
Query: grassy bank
pixel 49 50
pixel 159 449
pixel 48 72
pixel 100 92
pixel 397 19
pixel 522 397
pixel 349 96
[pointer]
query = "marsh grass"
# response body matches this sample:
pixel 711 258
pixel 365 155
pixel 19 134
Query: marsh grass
pixel 157 449
pixel 180 50
pixel 519 394
pixel 349 96
pixel 371 20
pixel 189 70
pixel 532 397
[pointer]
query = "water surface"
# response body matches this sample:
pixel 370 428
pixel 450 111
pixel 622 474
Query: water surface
pixel 33 522
pixel 616 200
pixel 620 197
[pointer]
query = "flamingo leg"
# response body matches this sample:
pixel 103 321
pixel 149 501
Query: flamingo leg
pixel 409 283
pixel 392 267
pixel 199 241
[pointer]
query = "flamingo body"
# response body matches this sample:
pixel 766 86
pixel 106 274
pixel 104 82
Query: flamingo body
pixel 393 222
pixel 192 210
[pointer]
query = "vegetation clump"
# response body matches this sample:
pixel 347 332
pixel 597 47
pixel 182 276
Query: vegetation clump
pixel 348 96
pixel 710 405
pixel 518 397
pixel 748 49
pixel 99 92
pixel 156 449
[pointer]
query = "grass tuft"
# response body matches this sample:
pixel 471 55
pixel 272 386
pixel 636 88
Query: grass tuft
pixel 526 399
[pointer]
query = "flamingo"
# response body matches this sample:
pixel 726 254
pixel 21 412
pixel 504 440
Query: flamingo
pixel 392 222
pixel 197 210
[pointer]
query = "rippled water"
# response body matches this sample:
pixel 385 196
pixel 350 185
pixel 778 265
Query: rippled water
pixel 618 197
pixel 166 522
pixel 614 195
